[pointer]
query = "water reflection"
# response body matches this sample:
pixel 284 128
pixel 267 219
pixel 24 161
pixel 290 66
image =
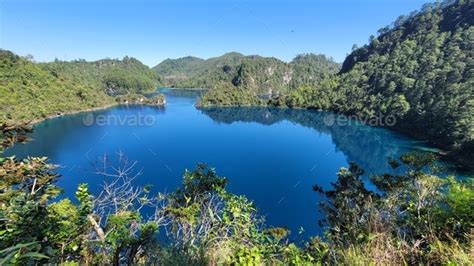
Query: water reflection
pixel 181 93
pixel 367 146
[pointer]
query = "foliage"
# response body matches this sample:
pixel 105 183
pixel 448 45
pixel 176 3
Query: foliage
pixel 158 100
pixel 34 91
pixel 225 94
pixel 311 69
pixel 347 207
pixel 192 72
pixel 260 75
pixel 27 91
pixel 174 70
pixel 26 189
pixel 205 221
pixel 415 217
pixel 113 76
pixel 20 254
pixel 420 69
pixel 319 97
pixel 13 133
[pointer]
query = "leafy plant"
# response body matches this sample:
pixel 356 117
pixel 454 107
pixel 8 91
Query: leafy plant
pixel 20 254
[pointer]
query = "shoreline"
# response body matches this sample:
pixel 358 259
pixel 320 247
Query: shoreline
pixel 186 89
pixel 115 103
pixel 37 121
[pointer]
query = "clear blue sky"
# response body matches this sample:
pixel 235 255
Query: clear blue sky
pixel 155 30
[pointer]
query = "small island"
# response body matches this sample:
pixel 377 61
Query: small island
pixel 158 100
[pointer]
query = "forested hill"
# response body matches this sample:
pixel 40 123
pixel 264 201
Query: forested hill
pixel 262 75
pixel 30 90
pixel 179 68
pixel 128 75
pixel 420 69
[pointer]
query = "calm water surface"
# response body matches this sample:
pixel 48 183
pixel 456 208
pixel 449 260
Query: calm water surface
pixel 273 156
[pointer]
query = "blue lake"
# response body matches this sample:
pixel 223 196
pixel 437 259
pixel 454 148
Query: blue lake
pixel 273 156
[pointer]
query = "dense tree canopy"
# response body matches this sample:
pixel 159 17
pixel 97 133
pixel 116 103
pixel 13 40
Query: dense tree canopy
pixel 114 76
pixel 420 69
pixel 225 94
pixel 30 90
pixel 261 75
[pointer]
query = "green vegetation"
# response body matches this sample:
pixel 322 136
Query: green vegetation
pixel 34 91
pixel 311 69
pixel 174 71
pixel 414 218
pixel 158 100
pixel 28 91
pixel 261 75
pixel 411 220
pixel 113 76
pixel 192 72
pixel 419 71
pixel 225 94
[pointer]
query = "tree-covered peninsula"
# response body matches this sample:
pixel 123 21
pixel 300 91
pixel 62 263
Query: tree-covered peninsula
pixel 32 91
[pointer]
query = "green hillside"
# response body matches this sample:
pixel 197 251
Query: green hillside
pixel 114 76
pixel 31 91
pixel 311 69
pixel 418 71
pixel 28 91
pixel 176 69
pixel 261 75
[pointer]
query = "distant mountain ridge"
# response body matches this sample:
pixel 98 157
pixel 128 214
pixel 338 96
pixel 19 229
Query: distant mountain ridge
pixel 263 75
